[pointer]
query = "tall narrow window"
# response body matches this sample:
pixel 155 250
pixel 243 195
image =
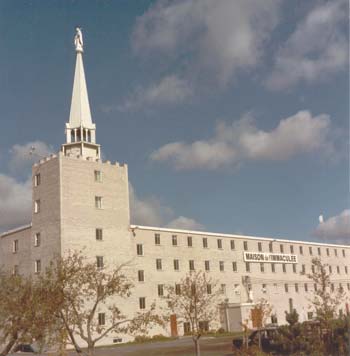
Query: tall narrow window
pixel 270 247
pixel 205 242
pixel 176 265
pixel 338 269
pixel 37 206
pixel 303 269
pixel 142 303
pixel 232 242
pixel 177 289
pixel 294 268
pixel 259 246
pixel 346 269
pixel 306 287
pixel 37 239
pixel 286 288
pixel 319 251
pixel 310 250
pixel 262 267
pixel 98 176
pixel 296 288
pixel 157 239
pixel 101 319
pixel 191 265
pixel 234 266
pixel 208 288
pixel 158 264
pixel 219 241
pixel 98 202
pixel 330 269
pixel 343 253
pixel 207 265
pixel 99 234
pixel 189 241
pixel 301 250
pixel 221 266
pixel 37 266
pixel 247 267
pixel 327 251
pixel 335 252
pixel 245 245
pixel 99 261
pixel 273 268
pixel 160 290
pixel 141 275
pixel 223 288
pixel 37 180
pixel 15 245
pixel 284 269
pixel 281 248
pixel 139 249
pixel 174 240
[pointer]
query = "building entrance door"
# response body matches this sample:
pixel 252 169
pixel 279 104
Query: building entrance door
pixel 173 325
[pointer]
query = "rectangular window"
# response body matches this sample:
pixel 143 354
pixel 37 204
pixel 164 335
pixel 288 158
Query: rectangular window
pixel 37 266
pixel 177 289
pixel 247 267
pixel 207 265
pixel 303 269
pixel 338 269
pixel 262 267
pixel 189 241
pixel 157 239
pixel 332 287
pixel 98 202
pixel 264 289
pixel 141 275
pixel 219 244
pixel 348 286
pixel 319 251
pixel 101 319
pixel 296 288
pixel 15 246
pixel 284 269
pixel 158 264
pixel 281 248
pixel 37 180
pixel 205 242
pixel 223 288
pixel 259 247
pixel 139 249
pixel 301 250
pixel 330 269
pixel 286 288
pixel 273 268
pixel 15 270
pixel 142 303
pixel 232 242
pixel 37 239
pixel 176 265
pixel 346 269
pixel 335 252
pixel 221 266
pixel 191 265
pixel 208 288
pixel 234 266
pixel 187 328
pixel 245 245
pixel 99 234
pixel 160 290
pixel 306 287
pixel 37 206
pixel 343 253
pixel 270 247
pixel 174 240
pixel 98 176
pixel 291 249
pixel 310 250
pixel 99 261
pixel 313 268
pixel 327 251
pixel 294 268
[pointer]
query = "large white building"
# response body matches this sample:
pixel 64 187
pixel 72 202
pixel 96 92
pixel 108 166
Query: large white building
pixel 80 202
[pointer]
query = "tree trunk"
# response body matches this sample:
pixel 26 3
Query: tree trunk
pixel 197 346
pixel 91 349
pixel 8 347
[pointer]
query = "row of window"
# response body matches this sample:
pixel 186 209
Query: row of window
pixel 37 242
pixel 174 239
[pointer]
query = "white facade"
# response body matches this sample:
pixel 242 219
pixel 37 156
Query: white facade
pixel 82 203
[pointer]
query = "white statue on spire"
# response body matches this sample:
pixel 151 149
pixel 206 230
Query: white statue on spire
pixel 78 40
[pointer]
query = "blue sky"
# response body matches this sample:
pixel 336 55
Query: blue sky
pixel 233 116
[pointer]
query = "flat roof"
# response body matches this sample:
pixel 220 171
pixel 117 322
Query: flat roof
pixel 196 232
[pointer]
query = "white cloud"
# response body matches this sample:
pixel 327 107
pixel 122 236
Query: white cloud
pixel 20 157
pixel 316 49
pixel 336 228
pixel 242 140
pixel 15 202
pixel 151 212
pixel 218 37
pixel 169 90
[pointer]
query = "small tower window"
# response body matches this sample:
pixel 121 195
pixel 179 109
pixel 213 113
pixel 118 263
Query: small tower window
pixel 37 180
pixel 72 138
pixel 37 206
pixel 89 136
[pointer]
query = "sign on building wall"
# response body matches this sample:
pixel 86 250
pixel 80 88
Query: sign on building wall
pixel 269 257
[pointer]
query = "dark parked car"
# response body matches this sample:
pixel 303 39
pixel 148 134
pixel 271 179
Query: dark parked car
pixel 27 348
pixel 266 334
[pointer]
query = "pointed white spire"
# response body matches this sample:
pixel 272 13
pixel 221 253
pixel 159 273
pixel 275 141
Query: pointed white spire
pixel 80 115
